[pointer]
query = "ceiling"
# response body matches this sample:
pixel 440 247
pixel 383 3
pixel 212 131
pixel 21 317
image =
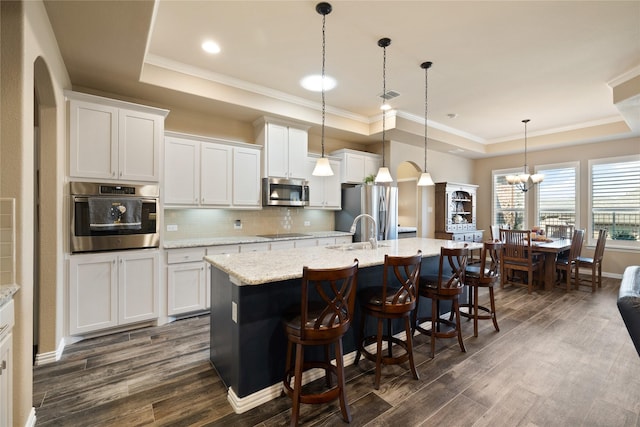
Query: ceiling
pixel 494 64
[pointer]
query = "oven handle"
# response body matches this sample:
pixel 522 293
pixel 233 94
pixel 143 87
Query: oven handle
pixel 86 198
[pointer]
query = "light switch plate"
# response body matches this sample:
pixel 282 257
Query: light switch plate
pixel 172 227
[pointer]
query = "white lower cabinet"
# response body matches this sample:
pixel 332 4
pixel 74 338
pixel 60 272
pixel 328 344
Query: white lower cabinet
pixel 6 364
pixel 186 281
pixel 112 289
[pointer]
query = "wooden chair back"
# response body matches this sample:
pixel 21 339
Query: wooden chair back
pixel 456 260
pixel 331 314
pixel 576 244
pixel 495 233
pixel 602 240
pixel 559 231
pixel 491 254
pixel 400 282
pixel 516 245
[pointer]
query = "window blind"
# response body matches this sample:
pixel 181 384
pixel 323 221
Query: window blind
pixel 557 196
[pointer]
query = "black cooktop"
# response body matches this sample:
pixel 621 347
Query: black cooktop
pixel 283 235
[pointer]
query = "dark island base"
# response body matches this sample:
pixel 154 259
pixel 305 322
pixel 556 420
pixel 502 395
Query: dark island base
pixel 250 354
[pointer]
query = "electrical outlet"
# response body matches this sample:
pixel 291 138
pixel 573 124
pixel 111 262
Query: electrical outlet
pixel 172 227
pixel 237 225
pixel 307 223
pixel 234 311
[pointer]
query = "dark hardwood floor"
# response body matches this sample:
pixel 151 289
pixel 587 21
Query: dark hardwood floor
pixel 560 359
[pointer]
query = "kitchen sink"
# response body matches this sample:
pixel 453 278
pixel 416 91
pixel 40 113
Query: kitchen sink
pixel 355 246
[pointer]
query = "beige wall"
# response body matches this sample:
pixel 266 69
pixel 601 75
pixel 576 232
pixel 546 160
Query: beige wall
pixel 26 36
pixel 615 261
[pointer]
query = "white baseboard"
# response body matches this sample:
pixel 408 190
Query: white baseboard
pixel 31 420
pixel 50 356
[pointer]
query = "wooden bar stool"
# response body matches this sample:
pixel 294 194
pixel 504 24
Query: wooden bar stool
pixel 445 287
pixel 484 276
pixel 395 299
pixel 324 316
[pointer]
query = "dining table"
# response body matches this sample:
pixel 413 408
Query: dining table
pixel 550 249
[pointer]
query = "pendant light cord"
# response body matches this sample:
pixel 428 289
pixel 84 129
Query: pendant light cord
pixel 324 17
pixel 384 96
pixel 426 89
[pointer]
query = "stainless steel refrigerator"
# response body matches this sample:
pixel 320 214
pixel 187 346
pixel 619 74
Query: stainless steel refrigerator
pixel 379 201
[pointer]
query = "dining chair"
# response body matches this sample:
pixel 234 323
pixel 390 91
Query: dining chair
pixel 323 317
pixel 485 275
pixel 559 231
pixel 518 254
pixel 495 233
pixel 594 263
pixel 448 285
pixel 567 262
pixel 396 298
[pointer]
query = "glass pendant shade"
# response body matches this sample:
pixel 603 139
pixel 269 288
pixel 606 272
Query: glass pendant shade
pixel 383 175
pixel 425 180
pixel 323 167
pixel 525 181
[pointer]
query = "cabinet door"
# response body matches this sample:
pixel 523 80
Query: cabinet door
pixel 186 285
pixel 371 165
pixel 354 168
pixel 216 162
pixel 277 164
pixel 93 293
pixel 6 380
pixel 246 177
pixel 181 171
pixel 332 191
pixel 138 287
pixel 93 140
pixel 297 153
pixel 139 145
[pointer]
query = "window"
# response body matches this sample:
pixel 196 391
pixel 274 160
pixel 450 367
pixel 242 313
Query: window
pixel 557 195
pixel 615 200
pixel 508 202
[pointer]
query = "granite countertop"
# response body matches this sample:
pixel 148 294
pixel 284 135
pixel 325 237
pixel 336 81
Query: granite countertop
pixel 7 292
pixel 234 240
pixel 256 268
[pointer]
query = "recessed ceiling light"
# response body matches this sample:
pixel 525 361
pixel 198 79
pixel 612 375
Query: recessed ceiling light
pixel 210 46
pixel 314 83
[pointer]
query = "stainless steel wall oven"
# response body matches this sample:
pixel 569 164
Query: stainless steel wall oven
pixel 107 217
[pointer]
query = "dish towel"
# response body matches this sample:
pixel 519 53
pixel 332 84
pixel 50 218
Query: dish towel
pixel 114 214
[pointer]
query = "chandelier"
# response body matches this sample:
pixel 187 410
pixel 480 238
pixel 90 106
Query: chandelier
pixel 383 173
pixel 524 181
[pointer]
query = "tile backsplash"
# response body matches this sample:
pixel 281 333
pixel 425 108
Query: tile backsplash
pixel 7 241
pixel 194 223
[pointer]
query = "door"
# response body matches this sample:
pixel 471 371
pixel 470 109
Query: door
pixel 186 288
pixel 216 163
pixel 246 177
pixel 139 136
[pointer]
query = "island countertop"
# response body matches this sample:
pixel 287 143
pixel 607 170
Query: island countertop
pixel 256 268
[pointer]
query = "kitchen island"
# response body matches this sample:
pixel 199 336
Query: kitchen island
pixel 250 293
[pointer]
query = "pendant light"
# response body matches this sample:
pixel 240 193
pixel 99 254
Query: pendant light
pixel 425 177
pixel 383 173
pixel 323 167
pixel 524 182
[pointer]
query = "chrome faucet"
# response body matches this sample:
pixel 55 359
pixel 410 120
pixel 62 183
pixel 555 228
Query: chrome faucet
pixel 374 230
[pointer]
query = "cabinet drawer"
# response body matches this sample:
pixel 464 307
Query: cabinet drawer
pixel 285 244
pixel 223 249
pixel 176 256
pixel 254 247
pixel 306 243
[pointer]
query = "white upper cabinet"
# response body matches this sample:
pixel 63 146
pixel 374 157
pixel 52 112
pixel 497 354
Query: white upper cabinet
pixel 324 191
pixel 208 172
pixel 356 165
pixel 285 146
pixel 110 139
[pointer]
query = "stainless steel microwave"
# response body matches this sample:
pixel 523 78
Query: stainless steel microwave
pixel 285 192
